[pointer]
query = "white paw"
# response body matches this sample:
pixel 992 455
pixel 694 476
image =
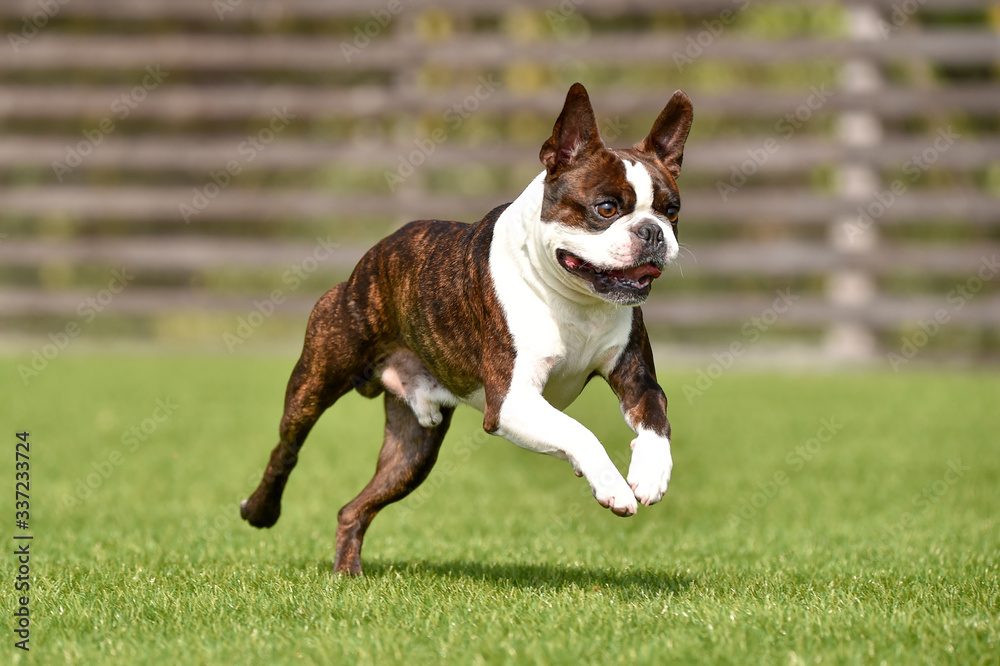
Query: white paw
pixel 428 413
pixel 649 471
pixel 611 491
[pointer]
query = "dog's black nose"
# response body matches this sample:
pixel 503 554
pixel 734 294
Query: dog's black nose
pixel 650 233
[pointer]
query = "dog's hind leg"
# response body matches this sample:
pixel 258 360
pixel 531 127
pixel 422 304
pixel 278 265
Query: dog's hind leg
pixel 329 367
pixel 408 454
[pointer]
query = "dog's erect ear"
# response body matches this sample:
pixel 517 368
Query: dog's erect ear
pixel 575 132
pixel 670 131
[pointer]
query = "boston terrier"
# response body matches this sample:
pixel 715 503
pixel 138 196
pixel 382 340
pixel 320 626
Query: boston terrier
pixel 512 315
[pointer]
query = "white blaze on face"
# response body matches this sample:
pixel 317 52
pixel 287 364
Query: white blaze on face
pixel 640 181
pixel 638 177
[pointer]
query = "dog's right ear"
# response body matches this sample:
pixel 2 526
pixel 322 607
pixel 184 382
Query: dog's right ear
pixel 575 133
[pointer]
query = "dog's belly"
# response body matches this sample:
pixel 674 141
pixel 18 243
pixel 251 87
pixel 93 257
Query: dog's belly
pixel 568 369
pixel 406 377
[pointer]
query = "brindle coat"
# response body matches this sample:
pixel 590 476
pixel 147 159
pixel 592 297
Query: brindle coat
pixel 439 271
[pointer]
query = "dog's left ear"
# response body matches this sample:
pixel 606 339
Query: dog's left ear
pixel 670 131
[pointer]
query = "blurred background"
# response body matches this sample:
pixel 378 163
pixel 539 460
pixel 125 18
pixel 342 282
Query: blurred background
pixel 193 174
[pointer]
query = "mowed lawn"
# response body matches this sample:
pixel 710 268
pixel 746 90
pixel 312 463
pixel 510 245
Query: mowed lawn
pixel 812 518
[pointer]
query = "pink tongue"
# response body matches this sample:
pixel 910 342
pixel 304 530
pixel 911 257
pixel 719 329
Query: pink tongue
pixel 639 272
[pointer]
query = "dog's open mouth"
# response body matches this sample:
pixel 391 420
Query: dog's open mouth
pixel 634 278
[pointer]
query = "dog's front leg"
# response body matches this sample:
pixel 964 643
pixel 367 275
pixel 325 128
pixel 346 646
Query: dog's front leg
pixel 644 407
pixel 528 420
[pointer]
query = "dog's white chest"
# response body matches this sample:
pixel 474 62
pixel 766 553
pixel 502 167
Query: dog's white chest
pixel 560 350
pixel 558 343
pixel 580 350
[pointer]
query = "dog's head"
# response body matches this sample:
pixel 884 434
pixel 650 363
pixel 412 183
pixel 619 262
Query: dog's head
pixel 609 217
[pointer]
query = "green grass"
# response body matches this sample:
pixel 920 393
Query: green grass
pixel 865 554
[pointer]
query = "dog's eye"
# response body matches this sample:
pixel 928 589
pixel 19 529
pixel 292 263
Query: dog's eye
pixel 607 208
pixel 672 214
